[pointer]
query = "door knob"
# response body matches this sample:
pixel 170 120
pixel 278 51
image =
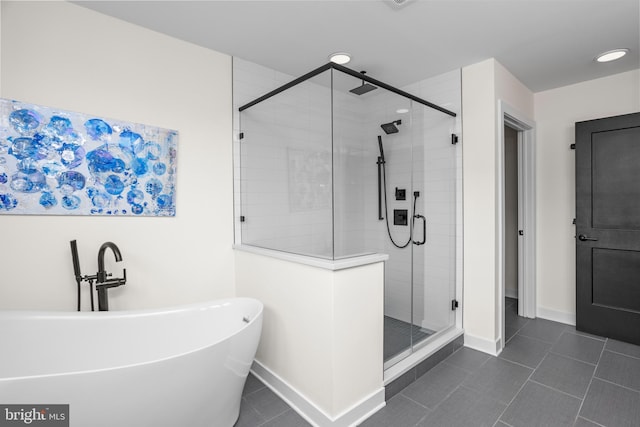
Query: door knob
pixel 584 238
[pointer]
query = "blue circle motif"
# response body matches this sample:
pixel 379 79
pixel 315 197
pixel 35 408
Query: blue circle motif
pixel 71 202
pixel 28 182
pixel 98 129
pixel 100 200
pixel 72 155
pixel 159 168
pixel 130 141
pixel 164 201
pixel 59 126
pixel 24 147
pixel 8 202
pixel 73 179
pixel 153 150
pixel 48 200
pixel 153 187
pixel 135 197
pixel 118 166
pixel 114 185
pixel 137 209
pixel 100 160
pixel 25 121
pixel 139 166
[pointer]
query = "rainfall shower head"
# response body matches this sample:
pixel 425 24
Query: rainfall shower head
pixel 391 127
pixel 364 87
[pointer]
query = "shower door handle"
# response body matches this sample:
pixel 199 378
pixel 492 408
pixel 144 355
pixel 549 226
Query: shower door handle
pixel 424 229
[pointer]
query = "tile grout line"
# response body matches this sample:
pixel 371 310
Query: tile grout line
pixel 414 401
pixel 621 354
pixel 591 421
pixel 520 389
pixel 467 374
pixel 520 364
pixel 586 335
pixel 555 389
pixel 572 358
pixel 617 385
pixel 590 382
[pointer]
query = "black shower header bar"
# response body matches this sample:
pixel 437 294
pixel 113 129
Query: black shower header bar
pixel 360 76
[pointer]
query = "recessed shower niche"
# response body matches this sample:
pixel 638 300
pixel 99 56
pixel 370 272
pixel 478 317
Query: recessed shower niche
pixel 321 167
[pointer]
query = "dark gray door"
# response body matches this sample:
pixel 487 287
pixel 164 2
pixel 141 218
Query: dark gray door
pixel 608 227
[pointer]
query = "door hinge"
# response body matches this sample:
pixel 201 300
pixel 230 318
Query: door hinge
pixel 241 135
pixel 454 304
pixel 242 218
pixel 454 138
pixel 572 146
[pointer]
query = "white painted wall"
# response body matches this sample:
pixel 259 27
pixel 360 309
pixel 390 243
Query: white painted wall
pixel 76 59
pixel 556 112
pixel 322 329
pixel 483 85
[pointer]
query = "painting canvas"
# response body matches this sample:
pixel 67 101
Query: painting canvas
pixel 56 162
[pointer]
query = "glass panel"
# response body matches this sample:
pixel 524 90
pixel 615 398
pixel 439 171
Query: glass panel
pixel 394 112
pixel 365 178
pixel 435 175
pixel 286 172
pixel 354 154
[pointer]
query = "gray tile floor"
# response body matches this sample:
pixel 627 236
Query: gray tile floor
pixel 548 375
pixel 261 407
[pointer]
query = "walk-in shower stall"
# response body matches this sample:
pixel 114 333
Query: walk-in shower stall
pixel 336 164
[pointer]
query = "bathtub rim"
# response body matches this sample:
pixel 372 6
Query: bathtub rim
pixel 4 314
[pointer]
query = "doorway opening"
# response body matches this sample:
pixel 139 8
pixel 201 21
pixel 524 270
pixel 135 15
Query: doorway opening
pixel 517 224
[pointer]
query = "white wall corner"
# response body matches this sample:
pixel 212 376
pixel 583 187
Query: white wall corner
pixel 492 347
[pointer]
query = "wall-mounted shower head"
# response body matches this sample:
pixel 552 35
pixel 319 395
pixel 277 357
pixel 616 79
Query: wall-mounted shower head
pixel 391 126
pixel 364 87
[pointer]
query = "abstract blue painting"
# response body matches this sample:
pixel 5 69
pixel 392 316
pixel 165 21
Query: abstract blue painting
pixel 55 162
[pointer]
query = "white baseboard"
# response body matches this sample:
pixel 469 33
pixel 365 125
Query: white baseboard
pixel 556 316
pixel 482 344
pixel 309 411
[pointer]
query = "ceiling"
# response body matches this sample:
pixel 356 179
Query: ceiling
pixel 544 43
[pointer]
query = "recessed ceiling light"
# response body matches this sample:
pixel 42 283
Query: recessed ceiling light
pixel 612 55
pixel 402 110
pixel 340 58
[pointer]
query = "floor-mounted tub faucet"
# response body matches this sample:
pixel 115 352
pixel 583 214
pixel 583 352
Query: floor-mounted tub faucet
pixel 100 278
pixel 102 284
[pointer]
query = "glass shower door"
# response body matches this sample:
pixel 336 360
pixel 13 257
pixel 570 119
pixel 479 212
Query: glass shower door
pixel 434 250
pixel 420 278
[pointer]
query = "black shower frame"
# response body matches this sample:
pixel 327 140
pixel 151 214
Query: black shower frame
pixel 360 76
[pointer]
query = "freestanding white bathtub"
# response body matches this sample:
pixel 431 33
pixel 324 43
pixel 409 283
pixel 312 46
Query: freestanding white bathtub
pixel 183 366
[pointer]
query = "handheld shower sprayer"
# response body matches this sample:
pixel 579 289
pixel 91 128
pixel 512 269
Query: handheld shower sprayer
pixel 390 128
